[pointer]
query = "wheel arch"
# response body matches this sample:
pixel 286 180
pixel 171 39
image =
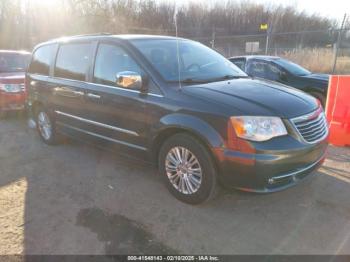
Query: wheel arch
pixel 34 107
pixel 37 103
pixel 193 126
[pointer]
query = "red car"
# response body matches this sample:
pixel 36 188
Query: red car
pixel 13 65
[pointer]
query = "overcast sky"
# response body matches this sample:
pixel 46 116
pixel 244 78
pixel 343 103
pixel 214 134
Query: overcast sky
pixel 331 8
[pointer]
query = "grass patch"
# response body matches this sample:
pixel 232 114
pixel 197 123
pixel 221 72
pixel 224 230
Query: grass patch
pixel 319 60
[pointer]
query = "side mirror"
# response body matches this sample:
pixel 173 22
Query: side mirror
pixel 130 80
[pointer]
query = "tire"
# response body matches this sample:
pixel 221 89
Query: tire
pixel 191 191
pixel 45 125
pixel 320 97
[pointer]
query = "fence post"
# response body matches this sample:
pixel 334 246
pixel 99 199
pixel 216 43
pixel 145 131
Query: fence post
pixel 338 44
pixel 268 31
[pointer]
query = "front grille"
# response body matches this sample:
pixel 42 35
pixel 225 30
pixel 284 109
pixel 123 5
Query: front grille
pixel 312 127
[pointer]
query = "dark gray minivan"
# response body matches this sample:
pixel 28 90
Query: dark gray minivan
pixel 180 105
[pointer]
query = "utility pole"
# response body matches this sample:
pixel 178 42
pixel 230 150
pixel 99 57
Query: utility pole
pixel 267 41
pixel 338 44
pixel 266 27
pixel 213 39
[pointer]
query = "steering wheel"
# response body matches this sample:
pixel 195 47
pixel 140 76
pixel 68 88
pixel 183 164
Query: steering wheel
pixel 192 66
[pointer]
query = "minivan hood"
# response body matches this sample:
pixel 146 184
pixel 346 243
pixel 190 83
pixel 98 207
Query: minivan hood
pixel 255 97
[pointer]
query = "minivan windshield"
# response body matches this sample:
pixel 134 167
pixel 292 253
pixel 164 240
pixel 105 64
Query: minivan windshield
pixel 186 60
pixel 13 62
pixel 292 68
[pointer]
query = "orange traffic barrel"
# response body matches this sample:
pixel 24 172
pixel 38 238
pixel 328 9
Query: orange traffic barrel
pixel 338 110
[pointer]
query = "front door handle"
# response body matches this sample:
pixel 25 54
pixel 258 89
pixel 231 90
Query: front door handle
pixel 78 93
pixel 91 95
pixel 67 92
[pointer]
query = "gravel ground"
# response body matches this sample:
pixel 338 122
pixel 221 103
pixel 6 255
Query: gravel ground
pixel 77 199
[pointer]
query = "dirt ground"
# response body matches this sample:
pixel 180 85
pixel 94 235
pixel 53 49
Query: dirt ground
pixel 77 199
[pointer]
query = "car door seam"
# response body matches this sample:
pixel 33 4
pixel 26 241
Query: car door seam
pixel 130 132
pixel 102 137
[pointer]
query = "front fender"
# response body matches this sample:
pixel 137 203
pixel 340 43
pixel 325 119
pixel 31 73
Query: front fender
pixel 191 124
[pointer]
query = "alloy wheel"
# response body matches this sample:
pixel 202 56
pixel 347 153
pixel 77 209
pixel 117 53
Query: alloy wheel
pixel 183 170
pixel 45 126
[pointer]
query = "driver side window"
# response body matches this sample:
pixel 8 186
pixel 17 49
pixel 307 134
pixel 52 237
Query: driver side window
pixel 256 69
pixel 273 72
pixel 111 60
pixel 264 70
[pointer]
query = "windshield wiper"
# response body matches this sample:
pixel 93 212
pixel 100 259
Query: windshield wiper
pixel 193 81
pixel 225 77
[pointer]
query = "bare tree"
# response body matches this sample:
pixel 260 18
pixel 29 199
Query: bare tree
pixel 24 23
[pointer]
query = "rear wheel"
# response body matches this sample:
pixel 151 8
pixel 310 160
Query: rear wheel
pixel 46 126
pixel 188 169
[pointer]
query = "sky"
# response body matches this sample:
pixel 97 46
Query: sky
pixel 333 9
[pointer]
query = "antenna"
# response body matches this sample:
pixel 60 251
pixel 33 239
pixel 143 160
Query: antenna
pixel 177 46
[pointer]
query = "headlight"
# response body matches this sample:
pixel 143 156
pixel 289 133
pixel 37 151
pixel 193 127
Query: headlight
pixel 12 88
pixel 258 128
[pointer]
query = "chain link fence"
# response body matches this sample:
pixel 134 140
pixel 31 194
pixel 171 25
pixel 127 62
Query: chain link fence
pixel 314 50
pixel 307 48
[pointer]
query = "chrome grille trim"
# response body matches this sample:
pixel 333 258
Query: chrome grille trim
pixel 320 127
pixel 311 129
pixel 308 123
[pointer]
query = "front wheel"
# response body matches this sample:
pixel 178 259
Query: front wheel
pixel 188 169
pixel 46 126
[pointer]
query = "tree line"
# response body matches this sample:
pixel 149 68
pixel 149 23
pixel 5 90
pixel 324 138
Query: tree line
pixel 24 23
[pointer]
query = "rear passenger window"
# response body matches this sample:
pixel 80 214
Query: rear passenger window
pixel 73 61
pixel 41 60
pixel 110 60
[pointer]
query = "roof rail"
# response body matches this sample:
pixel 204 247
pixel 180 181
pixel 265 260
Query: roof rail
pixel 93 34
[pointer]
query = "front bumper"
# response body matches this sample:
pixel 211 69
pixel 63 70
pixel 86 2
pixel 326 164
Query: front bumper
pixel 276 164
pixel 12 101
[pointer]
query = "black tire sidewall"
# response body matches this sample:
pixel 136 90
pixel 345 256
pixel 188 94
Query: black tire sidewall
pixel 209 177
pixel 52 140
